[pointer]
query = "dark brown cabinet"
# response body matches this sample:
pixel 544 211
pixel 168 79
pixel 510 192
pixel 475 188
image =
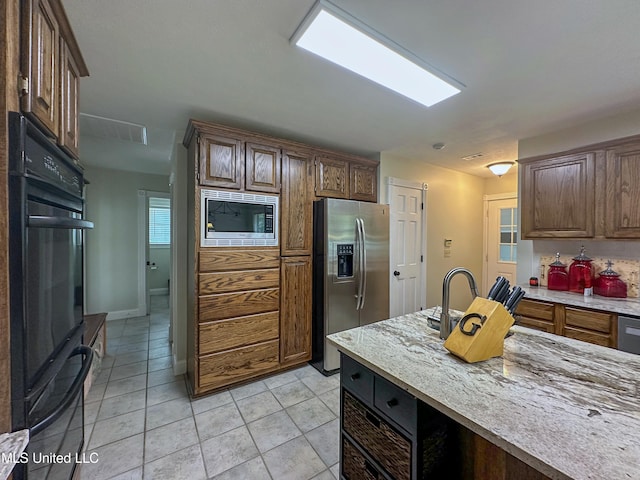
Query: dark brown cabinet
pixel 622 218
pixel 51 66
pixel 590 326
pixel 295 310
pixel 262 167
pixel 296 204
pixel 40 63
pixel 332 177
pixel 558 197
pixel 363 182
pixel 221 161
pixel 589 192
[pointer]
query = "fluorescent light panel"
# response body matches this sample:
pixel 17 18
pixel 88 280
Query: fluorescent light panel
pixel 326 34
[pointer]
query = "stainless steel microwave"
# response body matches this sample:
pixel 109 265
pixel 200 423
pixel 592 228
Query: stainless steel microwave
pixel 238 219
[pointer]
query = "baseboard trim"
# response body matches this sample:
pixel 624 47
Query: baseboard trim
pixel 120 314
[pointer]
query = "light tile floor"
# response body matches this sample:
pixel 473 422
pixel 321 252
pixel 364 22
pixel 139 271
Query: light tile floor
pixel 141 422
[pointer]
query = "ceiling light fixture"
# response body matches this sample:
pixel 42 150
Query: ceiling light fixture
pixel 333 34
pixel 500 168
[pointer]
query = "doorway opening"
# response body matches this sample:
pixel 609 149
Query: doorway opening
pixel 500 238
pixel 407 246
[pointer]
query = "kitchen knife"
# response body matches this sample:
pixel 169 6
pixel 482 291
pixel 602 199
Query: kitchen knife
pixel 503 293
pixel 496 288
pixel 516 301
pixel 512 298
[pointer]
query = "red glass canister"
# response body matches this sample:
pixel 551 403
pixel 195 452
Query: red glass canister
pixel 608 284
pixel 580 273
pixel 558 278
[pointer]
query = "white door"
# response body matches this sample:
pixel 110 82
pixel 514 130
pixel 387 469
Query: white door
pixel 407 219
pixel 501 239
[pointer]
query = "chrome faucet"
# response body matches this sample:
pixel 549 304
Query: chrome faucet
pixel 445 321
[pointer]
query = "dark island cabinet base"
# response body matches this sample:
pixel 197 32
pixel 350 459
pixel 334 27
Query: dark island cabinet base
pixel 388 434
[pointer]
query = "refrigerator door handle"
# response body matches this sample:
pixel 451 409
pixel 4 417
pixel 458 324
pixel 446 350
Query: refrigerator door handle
pixel 363 272
pixel 360 249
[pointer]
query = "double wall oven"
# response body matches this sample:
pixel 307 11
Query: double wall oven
pixel 48 359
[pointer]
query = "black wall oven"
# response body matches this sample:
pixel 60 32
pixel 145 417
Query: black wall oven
pixel 48 359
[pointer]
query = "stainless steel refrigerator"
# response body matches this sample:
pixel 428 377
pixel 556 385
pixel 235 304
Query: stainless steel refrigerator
pixel 350 271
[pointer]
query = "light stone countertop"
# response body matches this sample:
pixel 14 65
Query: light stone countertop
pixel 567 408
pixel 11 446
pixel 622 306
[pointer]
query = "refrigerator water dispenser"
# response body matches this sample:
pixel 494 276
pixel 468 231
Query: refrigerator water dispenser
pixel 345 260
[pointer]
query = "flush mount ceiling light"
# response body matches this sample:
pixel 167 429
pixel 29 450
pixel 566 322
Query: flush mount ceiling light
pixel 500 168
pixel 333 34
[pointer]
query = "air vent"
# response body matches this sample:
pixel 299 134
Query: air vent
pixel 473 156
pixel 110 129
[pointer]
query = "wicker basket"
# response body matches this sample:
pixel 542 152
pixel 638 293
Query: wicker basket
pixel 378 438
pixel 355 466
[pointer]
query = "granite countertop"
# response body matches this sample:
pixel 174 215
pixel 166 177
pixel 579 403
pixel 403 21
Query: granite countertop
pixel 11 446
pixel 622 306
pixel 567 408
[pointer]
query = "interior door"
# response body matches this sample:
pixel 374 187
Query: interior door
pixel 501 240
pixel 407 285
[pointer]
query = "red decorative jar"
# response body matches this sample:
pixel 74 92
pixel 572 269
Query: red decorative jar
pixel 580 273
pixel 558 278
pixel 608 284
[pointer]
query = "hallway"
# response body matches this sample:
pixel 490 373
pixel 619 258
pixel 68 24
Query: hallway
pixel 141 422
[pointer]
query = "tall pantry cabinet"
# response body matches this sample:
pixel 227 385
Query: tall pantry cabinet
pixel 250 307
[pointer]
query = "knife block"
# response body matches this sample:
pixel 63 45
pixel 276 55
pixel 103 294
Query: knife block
pixel 487 341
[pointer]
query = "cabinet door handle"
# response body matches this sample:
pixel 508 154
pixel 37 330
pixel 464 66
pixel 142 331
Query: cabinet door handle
pixel 392 403
pixel 355 377
pixel 373 420
pixel 371 469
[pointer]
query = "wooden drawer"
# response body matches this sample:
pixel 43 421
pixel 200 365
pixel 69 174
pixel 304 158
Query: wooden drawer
pixel 535 323
pixel 589 336
pixel 397 404
pixel 222 260
pixel 232 366
pixel 535 309
pixel 355 466
pixel 356 378
pixel 588 319
pixel 230 305
pixel 377 437
pixel 234 281
pixel 238 332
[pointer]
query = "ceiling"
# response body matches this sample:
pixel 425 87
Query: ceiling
pixel 528 68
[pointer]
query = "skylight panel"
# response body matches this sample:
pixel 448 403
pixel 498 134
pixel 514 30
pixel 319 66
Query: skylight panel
pixel 341 39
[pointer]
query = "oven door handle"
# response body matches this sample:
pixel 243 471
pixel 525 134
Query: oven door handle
pixel 58 222
pixel 77 384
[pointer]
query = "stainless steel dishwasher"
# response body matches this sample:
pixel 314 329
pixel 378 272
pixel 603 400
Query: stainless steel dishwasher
pixel 629 334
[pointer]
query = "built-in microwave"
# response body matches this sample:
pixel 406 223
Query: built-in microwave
pixel 238 219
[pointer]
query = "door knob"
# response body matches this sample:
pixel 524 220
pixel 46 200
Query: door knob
pixel 396 273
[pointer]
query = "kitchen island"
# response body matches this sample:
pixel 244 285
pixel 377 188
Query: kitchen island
pixel 566 408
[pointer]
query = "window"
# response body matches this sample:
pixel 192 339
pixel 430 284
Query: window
pixel 159 221
pixel 508 234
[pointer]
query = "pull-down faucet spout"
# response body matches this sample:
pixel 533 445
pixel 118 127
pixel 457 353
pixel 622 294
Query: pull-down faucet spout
pixel 445 321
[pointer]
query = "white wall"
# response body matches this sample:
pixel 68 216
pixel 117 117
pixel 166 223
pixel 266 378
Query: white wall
pixel 590 132
pixel 161 256
pixel 179 194
pixel 111 247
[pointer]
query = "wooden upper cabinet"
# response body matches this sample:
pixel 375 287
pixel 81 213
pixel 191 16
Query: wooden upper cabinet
pixel 69 96
pixel 262 168
pixel 332 177
pixel 622 211
pixel 221 161
pixel 558 197
pixel 295 310
pixel 51 67
pixel 40 59
pixel 363 181
pixel 296 204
